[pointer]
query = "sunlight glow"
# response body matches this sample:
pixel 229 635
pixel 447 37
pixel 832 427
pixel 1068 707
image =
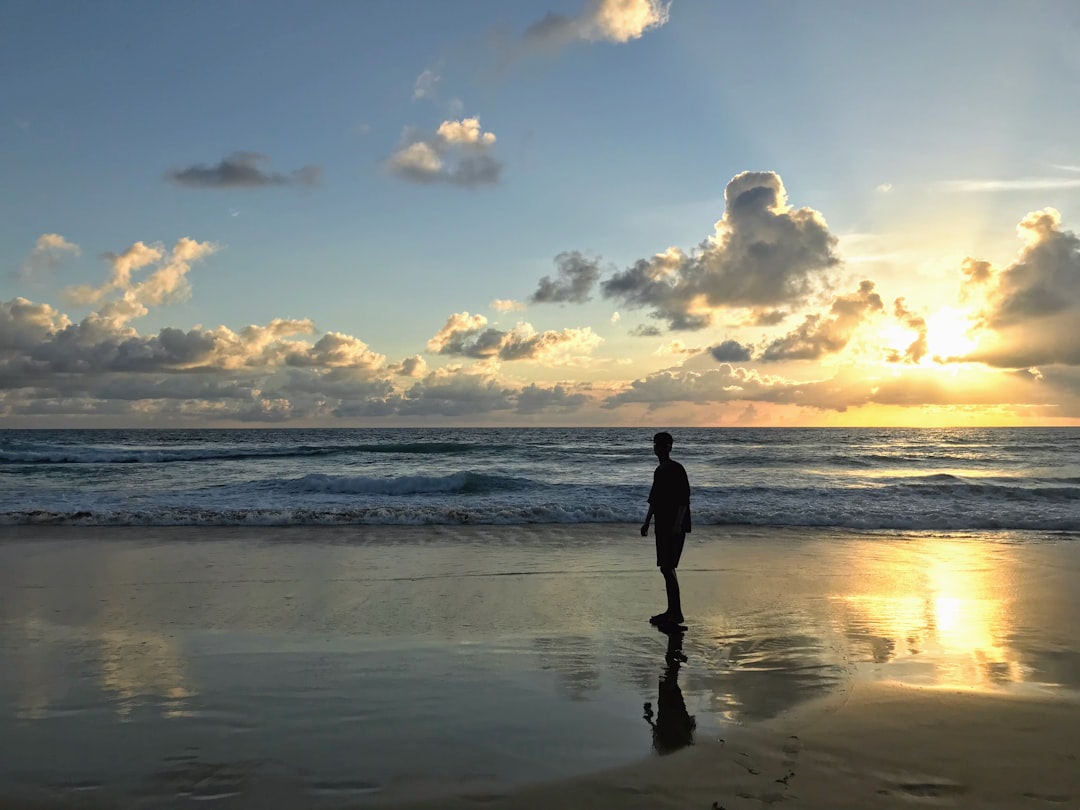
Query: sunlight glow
pixel 949 333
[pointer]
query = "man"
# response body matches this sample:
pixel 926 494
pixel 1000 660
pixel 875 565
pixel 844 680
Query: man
pixel 669 503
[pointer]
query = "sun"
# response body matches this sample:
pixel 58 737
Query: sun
pixel 950 334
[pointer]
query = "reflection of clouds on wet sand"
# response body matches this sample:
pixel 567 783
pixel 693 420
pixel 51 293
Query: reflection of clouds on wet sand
pixel 142 668
pixel 54 665
pixel 756 664
pixel 949 625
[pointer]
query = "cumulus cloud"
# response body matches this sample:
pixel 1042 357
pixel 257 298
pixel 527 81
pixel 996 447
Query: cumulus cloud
pixel 504 305
pixel 415 366
pixel 818 335
pixel 458 153
pixel 24 324
pixel 534 399
pixel 122 299
pixel 1033 305
pixel 49 253
pixel 730 351
pixel 764 254
pixel 599 21
pixel 241 170
pixel 448 393
pixel 575 281
pixel 723 384
pixel 465 335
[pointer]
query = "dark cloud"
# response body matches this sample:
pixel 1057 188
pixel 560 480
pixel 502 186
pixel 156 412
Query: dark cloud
pixel 770 317
pixel 764 255
pixel 241 170
pixel 645 330
pixel 534 399
pixel 575 282
pixel 730 351
pixel 441 394
pixel 1045 280
pixel 24 324
pixel 818 335
pixel 1033 305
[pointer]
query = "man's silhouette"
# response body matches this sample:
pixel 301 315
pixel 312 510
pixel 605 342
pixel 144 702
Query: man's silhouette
pixel 669 503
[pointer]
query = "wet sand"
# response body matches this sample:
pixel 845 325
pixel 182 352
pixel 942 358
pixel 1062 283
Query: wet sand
pixel 512 666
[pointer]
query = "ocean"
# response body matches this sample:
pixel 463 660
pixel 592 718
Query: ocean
pixel 1016 479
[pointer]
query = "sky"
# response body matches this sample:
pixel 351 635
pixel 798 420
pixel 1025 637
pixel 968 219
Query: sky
pixel 546 212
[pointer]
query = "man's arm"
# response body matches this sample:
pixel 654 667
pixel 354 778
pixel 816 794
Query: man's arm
pixel 648 520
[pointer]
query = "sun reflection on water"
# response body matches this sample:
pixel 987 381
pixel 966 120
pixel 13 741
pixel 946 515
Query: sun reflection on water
pixel 943 622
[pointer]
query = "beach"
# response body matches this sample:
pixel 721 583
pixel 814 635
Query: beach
pixel 513 666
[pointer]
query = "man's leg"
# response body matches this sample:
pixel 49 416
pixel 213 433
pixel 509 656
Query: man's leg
pixel 674 601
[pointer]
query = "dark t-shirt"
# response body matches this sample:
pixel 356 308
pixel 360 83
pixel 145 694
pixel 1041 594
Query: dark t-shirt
pixel 670 490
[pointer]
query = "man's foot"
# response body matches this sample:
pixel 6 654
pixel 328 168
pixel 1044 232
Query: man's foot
pixel 659 618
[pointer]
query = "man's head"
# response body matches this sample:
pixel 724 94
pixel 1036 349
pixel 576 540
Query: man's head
pixel 662 443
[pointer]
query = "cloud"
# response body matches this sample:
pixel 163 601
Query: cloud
pixel 1021 184
pixel 764 254
pixel 121 299
pixel 50 251
pixel 504 305
pixel 919 347
pixel 465 335
pixel 884 188
pixel 446 393
pixel 458 153
pixel 427 83
pixel 599 21
pixel 415 366
pixel 535 399
pixel 723 384
pixel 849 388
pixel 675 347
pixel 730 351
pixel 1033 305
pixel 576 279
pixel 818 336
pixel 241 170
pixel 24 324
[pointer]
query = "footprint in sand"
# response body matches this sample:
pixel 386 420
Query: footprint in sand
pixel 928 790
pixel 744 760
pixel 792 747
pixel 771 794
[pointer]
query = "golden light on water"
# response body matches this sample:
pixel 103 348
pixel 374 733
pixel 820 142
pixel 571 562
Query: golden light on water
pixel 941 623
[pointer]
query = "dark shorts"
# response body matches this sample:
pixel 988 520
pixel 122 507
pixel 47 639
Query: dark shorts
pixel 669 549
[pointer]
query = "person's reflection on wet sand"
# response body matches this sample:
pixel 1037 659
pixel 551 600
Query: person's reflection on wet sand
pixel 672 725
